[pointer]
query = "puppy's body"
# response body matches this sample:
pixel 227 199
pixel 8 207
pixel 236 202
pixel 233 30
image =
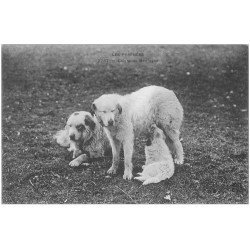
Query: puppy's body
pixel 159 162
pixel 84 136
pixel 122 116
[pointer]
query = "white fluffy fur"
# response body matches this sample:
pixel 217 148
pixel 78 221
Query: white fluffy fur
pixel 91 140
pixel 159 162
pixel 135 113
pixel 62 138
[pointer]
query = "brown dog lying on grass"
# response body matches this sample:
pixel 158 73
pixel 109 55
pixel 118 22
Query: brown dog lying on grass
pixel 84 136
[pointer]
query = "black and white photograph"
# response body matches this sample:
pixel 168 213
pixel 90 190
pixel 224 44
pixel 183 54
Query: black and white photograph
pixel 124 124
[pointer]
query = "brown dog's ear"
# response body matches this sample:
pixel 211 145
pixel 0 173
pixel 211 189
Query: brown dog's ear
pixel 119 107
pixel 89 122
pixel 67 118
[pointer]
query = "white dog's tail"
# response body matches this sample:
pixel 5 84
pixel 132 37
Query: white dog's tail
pixel 62 138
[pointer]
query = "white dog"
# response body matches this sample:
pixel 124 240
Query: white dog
pixel 84 136
pixel 122 116
pixel 159 162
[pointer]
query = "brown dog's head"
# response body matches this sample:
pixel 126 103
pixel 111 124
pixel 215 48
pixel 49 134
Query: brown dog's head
pixel 80 126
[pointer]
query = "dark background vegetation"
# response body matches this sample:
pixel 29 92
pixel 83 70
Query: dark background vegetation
pixel 43 85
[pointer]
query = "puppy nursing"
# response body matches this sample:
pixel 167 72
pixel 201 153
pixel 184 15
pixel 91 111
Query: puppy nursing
pixel 84 136
pixel 123 116
pixel 159 162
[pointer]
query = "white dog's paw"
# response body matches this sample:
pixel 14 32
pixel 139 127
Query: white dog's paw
pixel 127 175
pixel 74 163
pixel 112 170
pixel 178 161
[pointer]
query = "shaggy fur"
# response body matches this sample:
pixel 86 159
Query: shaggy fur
pixel 159 162
pixel 84 136
pixel 122 116
pixel 62 138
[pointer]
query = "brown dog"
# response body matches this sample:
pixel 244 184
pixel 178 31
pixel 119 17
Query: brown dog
pixel 84 136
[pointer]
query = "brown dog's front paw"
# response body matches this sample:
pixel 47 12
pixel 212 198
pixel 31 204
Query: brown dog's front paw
pixel 74 163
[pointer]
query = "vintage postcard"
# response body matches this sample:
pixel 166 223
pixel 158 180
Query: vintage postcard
pixel 125 124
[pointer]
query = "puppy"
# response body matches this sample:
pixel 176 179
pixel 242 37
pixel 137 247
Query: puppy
pixel 84 136
pixel 159 162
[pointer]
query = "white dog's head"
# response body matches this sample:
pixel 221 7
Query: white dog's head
pixel 155 135
pixel 107 109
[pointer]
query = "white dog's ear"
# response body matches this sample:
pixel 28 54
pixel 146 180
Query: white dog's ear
pixel 66 120
pixel 119 107
pixel 89 122
pixel 93 107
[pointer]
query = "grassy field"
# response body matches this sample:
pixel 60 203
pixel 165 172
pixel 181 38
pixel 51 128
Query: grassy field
pixel 43 85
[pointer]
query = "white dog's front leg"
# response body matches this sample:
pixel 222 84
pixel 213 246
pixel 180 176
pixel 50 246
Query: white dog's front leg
pixel 116 148
pixel 128 147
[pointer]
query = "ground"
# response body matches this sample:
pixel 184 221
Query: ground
pixel 43 85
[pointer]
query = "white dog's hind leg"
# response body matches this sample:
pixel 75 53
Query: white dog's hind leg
pixel 179 152
pixel 170 145
pixel 174 136
pixel 128 147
